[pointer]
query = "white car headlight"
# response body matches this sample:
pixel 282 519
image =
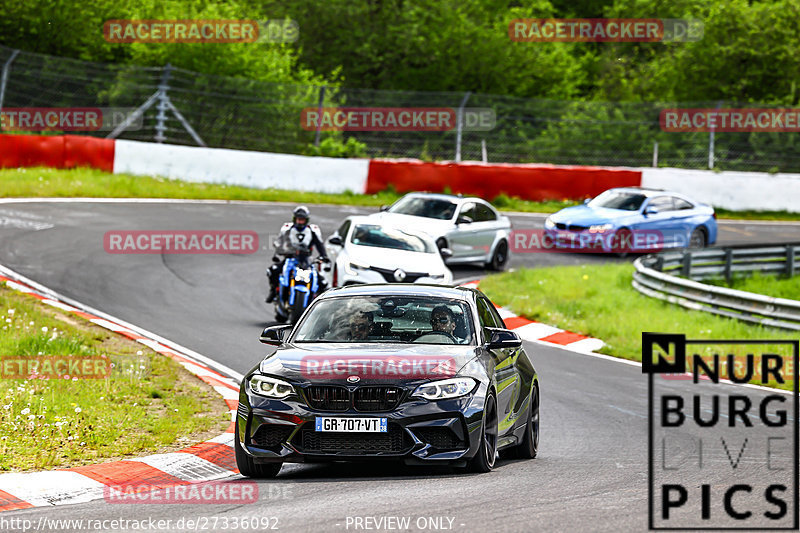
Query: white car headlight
pixel 445 388
pixel 270 387
pixel 549 224
pixel 353 268
pixel 600 228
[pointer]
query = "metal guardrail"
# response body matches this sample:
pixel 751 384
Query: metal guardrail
pixel 657 276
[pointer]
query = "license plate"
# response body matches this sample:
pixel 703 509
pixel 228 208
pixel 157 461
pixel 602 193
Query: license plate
pixel 351 425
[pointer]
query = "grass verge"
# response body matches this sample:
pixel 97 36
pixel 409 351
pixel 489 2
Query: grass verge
pixel 91 183
pixel 147 404
pixel 759 283
pixel 600 302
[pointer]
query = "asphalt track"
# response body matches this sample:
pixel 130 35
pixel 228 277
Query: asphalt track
pixel 591 474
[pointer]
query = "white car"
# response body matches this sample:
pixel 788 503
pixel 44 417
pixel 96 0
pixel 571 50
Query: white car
pixel 470 227
pixel 365 251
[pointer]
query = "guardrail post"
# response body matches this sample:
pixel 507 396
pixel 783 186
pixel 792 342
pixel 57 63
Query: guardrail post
pixel 728 264
pixel 790 261
pixel 686 264
pixel 659 264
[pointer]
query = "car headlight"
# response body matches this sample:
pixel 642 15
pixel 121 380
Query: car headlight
pixel 445 388
pixel 353 268
pixel 270 387
pixel 549 224
pixel 600 228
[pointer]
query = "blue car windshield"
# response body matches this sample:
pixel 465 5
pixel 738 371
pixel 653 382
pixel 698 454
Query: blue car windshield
pixel 387 319
pixel 424 207
pixel 625 201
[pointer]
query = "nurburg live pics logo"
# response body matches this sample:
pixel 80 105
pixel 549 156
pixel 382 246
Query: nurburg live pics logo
pixel 721 455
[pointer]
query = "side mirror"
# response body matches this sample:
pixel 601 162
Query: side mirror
pixel 273 335
pixel 651 211
pixel 463 220
pixel 587 201
pixel 384 208
pixel 502 338
pixel 446 253
pixel 335 240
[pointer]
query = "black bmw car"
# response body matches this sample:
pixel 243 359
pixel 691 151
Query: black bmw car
pixel 420 373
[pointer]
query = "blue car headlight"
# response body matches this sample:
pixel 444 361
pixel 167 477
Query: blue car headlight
pixel 444 389
pixel 270 387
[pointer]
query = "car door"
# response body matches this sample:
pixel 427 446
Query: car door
pixel 656 226
pixel 462 238
pixel 486 226
pixel 506 375
pixel 684 218
pixel 473 240
pixel 334 251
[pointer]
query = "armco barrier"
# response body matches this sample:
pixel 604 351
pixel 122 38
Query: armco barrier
pixel 655 276
pixel 530 182
pixel 56 151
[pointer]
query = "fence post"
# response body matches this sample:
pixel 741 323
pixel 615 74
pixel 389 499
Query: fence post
pixel 459 122
pixel 728 265
pixel 686 264
pixel 319 115
pixel 789 260
pixel 484 155
pixel 4 80
pixel 711 144
pixel 655 154
pixel 162 105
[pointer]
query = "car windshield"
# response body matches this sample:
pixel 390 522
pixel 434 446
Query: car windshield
pixel 382 319
pixel 626 201
pixel 394 239
pixel 424 207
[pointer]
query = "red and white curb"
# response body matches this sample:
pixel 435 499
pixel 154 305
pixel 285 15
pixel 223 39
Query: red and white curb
pixel 206 461
pixel 532 331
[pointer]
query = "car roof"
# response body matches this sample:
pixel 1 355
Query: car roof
pixel 452 197
pixel 400 289
pixel 649 192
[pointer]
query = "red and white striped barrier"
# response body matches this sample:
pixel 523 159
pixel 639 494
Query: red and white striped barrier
pixel 729 190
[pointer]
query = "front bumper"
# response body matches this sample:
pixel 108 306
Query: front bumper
pixel 419 432
pixel 373 276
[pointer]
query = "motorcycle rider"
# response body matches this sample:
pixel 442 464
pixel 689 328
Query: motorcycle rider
pixel 296 237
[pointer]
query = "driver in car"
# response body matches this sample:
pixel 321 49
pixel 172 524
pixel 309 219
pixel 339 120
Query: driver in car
pixel 360 326
pixel 444 320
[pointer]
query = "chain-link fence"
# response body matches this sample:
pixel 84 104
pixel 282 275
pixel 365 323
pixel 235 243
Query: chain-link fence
pixel 183 107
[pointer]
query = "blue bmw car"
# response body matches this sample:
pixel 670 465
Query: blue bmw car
pixel 633 219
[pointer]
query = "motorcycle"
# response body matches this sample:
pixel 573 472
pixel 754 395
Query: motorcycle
pixel 299 283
